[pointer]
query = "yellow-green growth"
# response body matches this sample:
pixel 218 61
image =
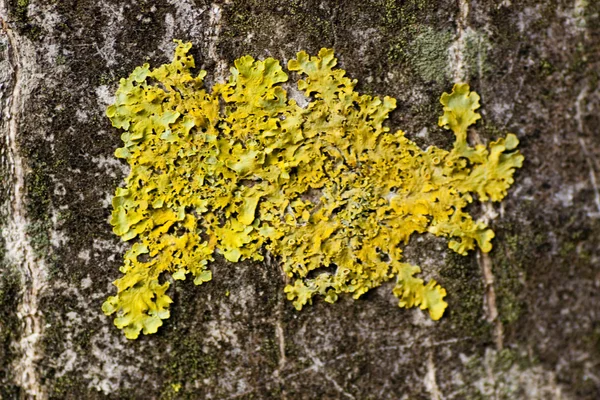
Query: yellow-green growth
pixel 241 169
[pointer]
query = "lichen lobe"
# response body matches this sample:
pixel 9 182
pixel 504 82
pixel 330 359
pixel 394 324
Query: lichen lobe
pixel 241 169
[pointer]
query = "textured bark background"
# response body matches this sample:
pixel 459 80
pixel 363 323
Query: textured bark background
pixel 521 323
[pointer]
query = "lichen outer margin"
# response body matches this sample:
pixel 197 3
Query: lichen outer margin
pixel 328 189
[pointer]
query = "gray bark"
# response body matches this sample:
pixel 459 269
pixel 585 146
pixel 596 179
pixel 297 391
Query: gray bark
pixel 523 322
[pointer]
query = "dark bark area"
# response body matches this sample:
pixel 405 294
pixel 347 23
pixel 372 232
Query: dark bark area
pixel 536 65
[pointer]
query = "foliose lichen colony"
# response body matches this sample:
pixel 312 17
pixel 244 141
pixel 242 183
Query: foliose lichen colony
pixel 327 189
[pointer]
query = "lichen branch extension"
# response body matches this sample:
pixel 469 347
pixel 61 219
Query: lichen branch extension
pixel 329 190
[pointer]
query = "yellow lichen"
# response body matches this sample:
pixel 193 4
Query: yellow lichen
pixel 327 188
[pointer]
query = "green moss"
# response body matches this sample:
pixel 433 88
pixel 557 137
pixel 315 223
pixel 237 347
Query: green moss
pixel 508 280
pixel 463 281
pixel 546 67
pixel 406 13
pixel 327 188
pixel 498 375
pixel 477 46
pixel 413 43
pixel 428 54
pixel 63 386
pixel 38 185
pixel 38 232
pixel 60 60
pixel 10 326
pixel 189 364
pixel 19 10
pixel 106 79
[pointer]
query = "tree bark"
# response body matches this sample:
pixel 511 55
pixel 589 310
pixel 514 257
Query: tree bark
pixel 523 321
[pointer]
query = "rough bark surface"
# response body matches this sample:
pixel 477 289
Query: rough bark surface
pixel 522 322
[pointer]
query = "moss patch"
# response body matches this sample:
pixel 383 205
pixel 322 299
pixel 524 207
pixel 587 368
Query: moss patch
pixel 428 54
pixel 10 325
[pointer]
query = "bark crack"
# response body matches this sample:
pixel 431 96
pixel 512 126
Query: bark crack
pixel 457 48
pixel 588 159
pixel 491 310
pixel 485 264
pixel 430 380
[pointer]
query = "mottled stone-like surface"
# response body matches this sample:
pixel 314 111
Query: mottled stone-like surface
pixel 521 323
